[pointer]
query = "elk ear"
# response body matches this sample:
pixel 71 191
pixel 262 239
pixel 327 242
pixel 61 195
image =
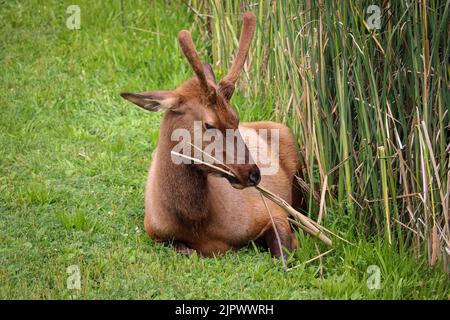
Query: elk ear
pixel 152 100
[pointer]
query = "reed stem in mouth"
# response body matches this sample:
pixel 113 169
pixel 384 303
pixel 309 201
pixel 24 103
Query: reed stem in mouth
pixel 304 222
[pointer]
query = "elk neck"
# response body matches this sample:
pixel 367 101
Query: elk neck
pixel 183 186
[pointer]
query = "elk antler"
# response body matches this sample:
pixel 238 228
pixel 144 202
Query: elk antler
pixel 188 48
pixel 248 28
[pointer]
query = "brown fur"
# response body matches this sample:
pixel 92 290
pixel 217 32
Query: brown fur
pixel 185 203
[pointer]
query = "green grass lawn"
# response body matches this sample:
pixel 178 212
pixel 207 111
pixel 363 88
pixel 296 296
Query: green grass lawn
pixel 73 165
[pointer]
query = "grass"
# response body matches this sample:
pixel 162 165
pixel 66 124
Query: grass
pixel 73 164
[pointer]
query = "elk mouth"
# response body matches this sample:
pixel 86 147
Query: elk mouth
pixel 235 182
pixel 232 179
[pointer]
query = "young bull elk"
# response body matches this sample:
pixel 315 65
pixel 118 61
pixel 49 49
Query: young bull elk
pixel 189 204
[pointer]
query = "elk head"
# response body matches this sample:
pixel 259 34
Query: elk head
pixel 202 100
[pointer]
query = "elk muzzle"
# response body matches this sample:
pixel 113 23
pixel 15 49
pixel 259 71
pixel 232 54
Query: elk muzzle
pixel 245 176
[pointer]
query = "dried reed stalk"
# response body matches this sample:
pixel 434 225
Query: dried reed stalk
pixel 305 223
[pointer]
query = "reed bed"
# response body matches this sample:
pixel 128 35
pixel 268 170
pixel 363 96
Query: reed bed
pixel 369 107
pixel 304 222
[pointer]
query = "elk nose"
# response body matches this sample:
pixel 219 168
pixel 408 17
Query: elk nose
pixel 254 177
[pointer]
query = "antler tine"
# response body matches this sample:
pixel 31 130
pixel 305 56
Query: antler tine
pixel 188 48
pixel 248 28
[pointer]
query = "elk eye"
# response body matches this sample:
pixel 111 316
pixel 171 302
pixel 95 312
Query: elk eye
pixel 208 126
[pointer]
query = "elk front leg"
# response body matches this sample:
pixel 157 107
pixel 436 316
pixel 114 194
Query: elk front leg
pixel 286 237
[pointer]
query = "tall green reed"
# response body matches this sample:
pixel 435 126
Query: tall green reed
pixel 369 107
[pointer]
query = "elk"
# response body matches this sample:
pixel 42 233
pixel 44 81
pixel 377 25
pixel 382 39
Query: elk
pixel 190 205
